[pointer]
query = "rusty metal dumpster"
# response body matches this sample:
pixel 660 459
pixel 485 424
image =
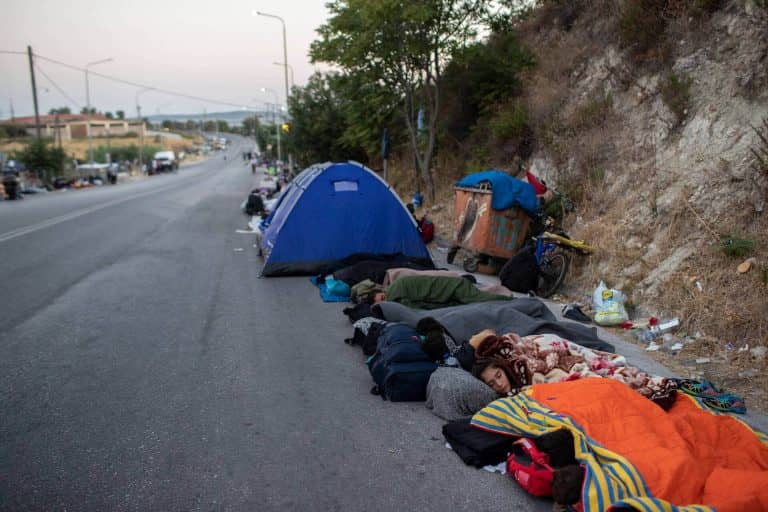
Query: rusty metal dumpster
pixel 484 232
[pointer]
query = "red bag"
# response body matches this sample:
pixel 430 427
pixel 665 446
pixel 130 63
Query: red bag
pixel 427 230
pixel 530 468
pixel 538 186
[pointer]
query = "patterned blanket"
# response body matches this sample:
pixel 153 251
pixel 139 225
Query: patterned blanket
pixel 545 358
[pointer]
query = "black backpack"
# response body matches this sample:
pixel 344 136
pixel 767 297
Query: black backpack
pixel 521 272
pixel 367 340
pixel 400 368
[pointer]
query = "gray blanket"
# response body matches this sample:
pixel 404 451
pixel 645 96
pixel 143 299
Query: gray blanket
pixel 523 316
pixel 454 394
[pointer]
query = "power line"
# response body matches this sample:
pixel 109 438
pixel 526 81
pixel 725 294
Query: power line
pixel 140 85
pixel 67 96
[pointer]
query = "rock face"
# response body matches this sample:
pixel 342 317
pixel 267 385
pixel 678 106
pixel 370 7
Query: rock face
pixel 671 183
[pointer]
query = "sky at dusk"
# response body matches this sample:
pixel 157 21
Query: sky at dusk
pixel 218 50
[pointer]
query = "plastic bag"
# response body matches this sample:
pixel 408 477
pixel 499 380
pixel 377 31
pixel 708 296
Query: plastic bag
pixel 609 306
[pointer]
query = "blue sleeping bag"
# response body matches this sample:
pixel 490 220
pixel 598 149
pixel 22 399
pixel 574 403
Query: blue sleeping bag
pixel 507 191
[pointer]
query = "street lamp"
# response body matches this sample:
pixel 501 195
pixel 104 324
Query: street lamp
pixel 285 48
pixel 277 126
pixel 88 105
pixel 141 128
pixel 289 67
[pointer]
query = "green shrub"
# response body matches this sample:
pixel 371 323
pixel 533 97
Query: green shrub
pixel 120 153
pixel 676 93
pixel 509 121
pixel 736 247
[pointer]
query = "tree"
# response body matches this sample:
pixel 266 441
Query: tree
pixel 85 110
pixel 404 46
pixel 320 131
pixel 60 110
pixel 109 115
pixel 39 157
pixel 120 114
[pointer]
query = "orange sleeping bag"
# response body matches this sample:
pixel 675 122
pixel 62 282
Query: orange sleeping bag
pixel 686 456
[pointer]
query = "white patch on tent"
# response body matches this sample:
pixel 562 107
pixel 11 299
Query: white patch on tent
pixel 345 186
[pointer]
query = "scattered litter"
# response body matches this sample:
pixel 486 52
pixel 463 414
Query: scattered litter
pixel 699 286
pixel 500 468
pixel 238 249
pixel 748 374
pixel 744 348
pixel 758 352
pixel 653 347
pixel 609 306
pixel 703 360
pixel 677 347
pixel 744 267
pixel 729 346
pixel 245 231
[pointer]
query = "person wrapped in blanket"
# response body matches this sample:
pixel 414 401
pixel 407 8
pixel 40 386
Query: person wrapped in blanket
pixel 509 363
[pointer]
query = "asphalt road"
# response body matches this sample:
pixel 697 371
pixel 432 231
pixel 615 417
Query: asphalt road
pixel 146 366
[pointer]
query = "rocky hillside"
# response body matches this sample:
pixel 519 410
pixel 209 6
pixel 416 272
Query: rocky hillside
pixel 652 127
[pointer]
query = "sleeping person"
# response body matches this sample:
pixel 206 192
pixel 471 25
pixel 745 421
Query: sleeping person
pixel 509 363
pixel 432 292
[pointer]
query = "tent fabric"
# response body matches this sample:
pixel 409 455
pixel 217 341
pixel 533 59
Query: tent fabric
pixel 638 456
pixel 331 211
pixel 507 191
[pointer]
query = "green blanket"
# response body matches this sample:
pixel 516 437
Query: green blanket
pixel 432 292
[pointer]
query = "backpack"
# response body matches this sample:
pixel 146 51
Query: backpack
pixel 521 272
pixel 366 334
pixel 427 230
pixel 530 468
pixel 400 368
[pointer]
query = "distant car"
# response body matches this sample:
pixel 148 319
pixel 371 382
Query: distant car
pixel 166 161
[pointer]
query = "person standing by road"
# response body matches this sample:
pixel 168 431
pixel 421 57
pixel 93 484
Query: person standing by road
pixel 254 162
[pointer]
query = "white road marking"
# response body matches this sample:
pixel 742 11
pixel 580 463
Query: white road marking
pixel 10 235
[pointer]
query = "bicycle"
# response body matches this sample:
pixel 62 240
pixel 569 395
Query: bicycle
pixel 553 253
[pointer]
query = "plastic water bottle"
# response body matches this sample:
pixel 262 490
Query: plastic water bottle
pixel 658 330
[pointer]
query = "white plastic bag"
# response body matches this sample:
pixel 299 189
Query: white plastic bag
pixel 609 306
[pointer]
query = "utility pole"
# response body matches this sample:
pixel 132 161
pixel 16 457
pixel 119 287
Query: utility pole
pixel 34 93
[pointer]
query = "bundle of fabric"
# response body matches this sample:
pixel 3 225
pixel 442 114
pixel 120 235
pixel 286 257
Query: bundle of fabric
pixel 373 269
pixel 432 292
pixel 635 455
pixel 544 358
pixel 454 394
pixel 523 316
pixel 393 274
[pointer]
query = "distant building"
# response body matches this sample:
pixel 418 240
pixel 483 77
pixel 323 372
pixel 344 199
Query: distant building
pixel 76 126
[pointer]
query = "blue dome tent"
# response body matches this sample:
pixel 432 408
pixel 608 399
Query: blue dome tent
pixel 332 211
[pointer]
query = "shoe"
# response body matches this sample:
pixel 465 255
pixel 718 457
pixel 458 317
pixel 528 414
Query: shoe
pixel 698 388
pixel 574 312
pixel 726 403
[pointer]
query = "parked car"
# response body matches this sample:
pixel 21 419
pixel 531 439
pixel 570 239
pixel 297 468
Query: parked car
pixel 166 161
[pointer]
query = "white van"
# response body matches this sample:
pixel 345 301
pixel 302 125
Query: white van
pixel 166 161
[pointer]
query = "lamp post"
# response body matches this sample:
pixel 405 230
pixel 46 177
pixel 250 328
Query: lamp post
pixel 285 48
pixel 277 126
pixel 88 105
pixel 293 83
pixel 141 128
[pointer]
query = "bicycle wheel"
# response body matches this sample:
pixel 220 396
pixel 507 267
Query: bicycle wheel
pixel 552 271
pixel 471 264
